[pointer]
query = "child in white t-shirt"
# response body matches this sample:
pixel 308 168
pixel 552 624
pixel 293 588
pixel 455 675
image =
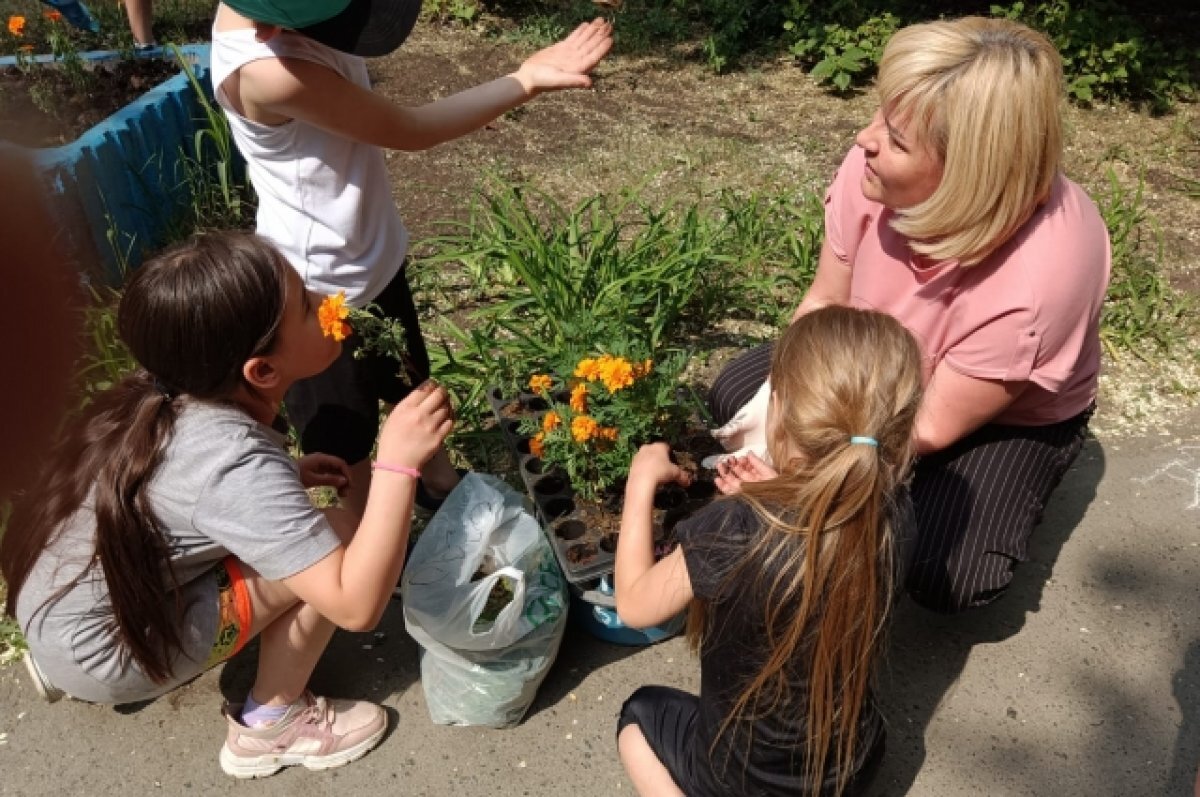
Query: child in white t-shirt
pixel 293 82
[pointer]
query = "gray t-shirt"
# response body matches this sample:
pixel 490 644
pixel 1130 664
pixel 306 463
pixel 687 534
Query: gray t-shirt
pixel 226 485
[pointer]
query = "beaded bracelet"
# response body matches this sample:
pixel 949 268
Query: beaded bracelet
pixel 407 471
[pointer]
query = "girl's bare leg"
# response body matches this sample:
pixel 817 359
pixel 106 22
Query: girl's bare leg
pixel 650 778
pixel 292 635
pixel 141 20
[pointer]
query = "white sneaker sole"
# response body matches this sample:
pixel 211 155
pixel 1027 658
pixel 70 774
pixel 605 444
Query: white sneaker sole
pixel 246 767
pixel 46 690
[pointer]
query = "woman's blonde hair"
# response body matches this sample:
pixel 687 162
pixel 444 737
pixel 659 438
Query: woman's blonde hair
pixel 823 568
pixel 984 95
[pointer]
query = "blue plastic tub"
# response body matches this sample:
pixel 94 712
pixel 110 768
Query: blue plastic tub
pixel 595 611
pixel 125 173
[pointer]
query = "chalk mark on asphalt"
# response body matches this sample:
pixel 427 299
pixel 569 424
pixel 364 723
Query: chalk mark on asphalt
pixel 1185 468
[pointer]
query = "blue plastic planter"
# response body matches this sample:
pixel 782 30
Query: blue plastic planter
pixel 595 611
pixel 125 173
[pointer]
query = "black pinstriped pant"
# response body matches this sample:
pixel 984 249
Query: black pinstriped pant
pixel 977 502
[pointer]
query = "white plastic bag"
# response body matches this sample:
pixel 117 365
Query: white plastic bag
pixel 474 672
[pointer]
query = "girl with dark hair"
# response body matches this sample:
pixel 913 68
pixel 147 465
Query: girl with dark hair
pixel 788 579
pixel 170 525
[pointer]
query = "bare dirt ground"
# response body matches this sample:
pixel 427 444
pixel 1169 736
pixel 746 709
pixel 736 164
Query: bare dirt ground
pixel 670 126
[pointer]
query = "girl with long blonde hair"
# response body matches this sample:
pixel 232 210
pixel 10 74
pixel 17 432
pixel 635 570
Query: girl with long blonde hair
pixel 788 578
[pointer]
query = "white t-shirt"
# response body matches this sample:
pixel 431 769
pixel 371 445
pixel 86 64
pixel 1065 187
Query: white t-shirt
pixel 324 200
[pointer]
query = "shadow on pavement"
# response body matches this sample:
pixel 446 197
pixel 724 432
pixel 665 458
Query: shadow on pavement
pixel 928 651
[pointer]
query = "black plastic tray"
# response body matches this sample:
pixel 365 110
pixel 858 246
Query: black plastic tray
pixel 585 553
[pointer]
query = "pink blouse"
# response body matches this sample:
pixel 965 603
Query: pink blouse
pixel 1030 312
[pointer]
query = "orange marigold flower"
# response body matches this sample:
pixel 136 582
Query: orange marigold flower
pixel 536 446
pixel 618 374
pixel 579 397
pixel 588 369
pixel 332 314
pixel 16 25
pixel 550 421
pixel 540 383
pixel 583 428
pixel 643 368
pixel 53 15
pixel 608 433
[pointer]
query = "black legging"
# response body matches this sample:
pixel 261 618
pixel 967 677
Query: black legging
pixel 977 502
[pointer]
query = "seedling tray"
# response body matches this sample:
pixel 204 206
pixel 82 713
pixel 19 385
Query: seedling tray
pixel 584 534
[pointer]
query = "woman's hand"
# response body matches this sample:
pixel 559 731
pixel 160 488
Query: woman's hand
pixel 565 65
pixel 324 470
pixel 652 466
pixel 416 427
pixel 732 472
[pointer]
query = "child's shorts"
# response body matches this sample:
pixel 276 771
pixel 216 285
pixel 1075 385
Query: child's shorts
pixel 216 623
pixel 337 411
pixel 235 612
pixel 667 718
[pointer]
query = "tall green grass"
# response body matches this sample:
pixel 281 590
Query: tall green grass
pixel 535 285
pixel 1143 315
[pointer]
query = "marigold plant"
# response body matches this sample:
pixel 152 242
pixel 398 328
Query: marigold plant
pixel 16 25
pixel 377 334
pixel 607 407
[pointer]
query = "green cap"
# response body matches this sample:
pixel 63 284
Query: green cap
pixel 359 27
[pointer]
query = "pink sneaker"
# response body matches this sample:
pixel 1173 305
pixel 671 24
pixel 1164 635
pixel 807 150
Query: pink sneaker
pixel 315 732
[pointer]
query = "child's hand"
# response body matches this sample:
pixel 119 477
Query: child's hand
pixel 733 471
pixel 652 466
pixel 416 427
pixel 565 65
pixel 324 470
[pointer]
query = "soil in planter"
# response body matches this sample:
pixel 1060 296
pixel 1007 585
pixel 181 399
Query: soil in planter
pixel 40 108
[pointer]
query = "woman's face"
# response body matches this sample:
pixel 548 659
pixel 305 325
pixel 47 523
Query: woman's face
pixel 901 171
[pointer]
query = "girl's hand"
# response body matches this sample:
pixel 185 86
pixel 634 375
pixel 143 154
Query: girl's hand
pixel 324 470
pixel 652 465
pixel 732 472
pixel 416 427
pixel 565 65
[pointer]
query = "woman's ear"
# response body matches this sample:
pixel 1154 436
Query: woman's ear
pixel 260 373
pixel 264 32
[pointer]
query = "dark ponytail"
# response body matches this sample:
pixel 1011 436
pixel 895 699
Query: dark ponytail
pixel 191 317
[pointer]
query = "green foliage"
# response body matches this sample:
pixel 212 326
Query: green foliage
pixel 12 641
pixel 764 256
pixel 380 334
pixel 221 195
pixel 174 20
pixel 1108 54
pixel 839 53
pixel 210 173
pixel 1143 315
pixel 581 273
pixel 546 285
pixel 105 360
pixel 462 12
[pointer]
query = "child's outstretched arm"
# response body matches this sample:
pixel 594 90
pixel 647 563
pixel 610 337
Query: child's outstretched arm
pixel 649 592
pixel 352 585
pixel 289 88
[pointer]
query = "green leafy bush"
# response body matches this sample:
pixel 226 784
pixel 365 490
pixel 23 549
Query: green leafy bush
pixel 1109 54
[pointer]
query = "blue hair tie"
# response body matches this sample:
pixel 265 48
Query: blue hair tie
pixel 866 441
